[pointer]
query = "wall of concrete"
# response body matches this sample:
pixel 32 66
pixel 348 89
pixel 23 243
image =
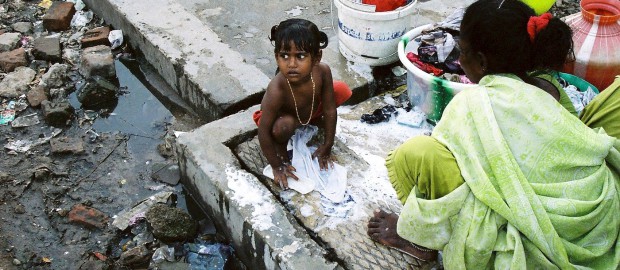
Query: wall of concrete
pixel 207 73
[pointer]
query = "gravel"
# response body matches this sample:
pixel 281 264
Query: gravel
pixel 567 7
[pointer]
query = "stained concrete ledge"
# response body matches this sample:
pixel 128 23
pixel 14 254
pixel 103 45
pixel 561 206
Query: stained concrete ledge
pixel 190 57
pixel 216 54
pixel 210 168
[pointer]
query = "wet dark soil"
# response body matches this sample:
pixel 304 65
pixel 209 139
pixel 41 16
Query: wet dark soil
pixel 38 188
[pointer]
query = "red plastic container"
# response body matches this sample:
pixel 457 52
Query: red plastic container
pixel 596 35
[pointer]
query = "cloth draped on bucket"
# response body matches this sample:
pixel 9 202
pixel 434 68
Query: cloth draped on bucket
pixel 541 188
pixel 604 110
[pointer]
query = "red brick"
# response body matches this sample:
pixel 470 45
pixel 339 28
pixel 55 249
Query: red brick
pixel 58 16
pixel 97 36
pixel 13 59
pixel 88 216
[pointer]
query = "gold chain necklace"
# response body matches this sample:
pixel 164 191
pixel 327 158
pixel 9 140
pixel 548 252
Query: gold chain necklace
pixel 295 101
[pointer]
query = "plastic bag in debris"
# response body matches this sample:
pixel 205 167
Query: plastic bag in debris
pixel 331 183
pixel 45 4
pixel 79 5
pixel 81 19
pixel 8 113
pixel 25 120
pixel 163 253
pixel 116 38
pixel 209 256
pixel 22 146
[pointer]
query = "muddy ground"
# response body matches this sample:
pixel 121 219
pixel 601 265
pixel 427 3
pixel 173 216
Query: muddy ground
pixel 38 188
pixel 107 165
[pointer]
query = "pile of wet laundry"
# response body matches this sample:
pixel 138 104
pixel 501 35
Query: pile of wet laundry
pixel 379 115
pixel 435 51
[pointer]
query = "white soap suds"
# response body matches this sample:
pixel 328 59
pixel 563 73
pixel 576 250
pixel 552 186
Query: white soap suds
pixel 306 210
pixel 247 192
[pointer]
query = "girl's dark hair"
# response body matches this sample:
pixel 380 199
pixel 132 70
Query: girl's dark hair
pixel 553 46
pixel 303 33
pixel 498 28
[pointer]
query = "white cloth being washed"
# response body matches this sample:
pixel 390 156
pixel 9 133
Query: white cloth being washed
pixel 330 183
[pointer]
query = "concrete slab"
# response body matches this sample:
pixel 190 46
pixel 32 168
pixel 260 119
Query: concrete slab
pixel 263 232
pixel 216 53
pixel 267 225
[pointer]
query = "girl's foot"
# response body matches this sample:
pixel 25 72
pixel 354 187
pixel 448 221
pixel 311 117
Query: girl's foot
pixel 382 229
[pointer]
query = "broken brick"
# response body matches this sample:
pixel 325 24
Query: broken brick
pixel 88 216
pixel 13 59
pixel 58 16
pixel 97 36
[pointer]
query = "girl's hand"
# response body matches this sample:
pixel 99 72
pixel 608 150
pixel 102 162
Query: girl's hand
pixel 323 153
pixel 281 173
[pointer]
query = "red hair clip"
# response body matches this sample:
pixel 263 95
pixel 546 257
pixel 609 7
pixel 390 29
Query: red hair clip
pixel 536 24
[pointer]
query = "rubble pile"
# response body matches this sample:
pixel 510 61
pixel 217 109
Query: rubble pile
pixel 72 197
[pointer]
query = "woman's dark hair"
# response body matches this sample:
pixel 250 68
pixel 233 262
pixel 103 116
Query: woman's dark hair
pixel 303 33
pixel 498 28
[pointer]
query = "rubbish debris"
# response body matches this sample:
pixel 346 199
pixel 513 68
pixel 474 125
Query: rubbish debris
pixel 209 256
pixel 21 104
pixel 115 38
pixel 123 219
pixel 25 120
pixel 81 19
pixel 21 146
pixel 79 5
pixel 163 253
pixel 45 4
pixel 398 71
pixel 178 133
pixel 8 113
pixel 100 256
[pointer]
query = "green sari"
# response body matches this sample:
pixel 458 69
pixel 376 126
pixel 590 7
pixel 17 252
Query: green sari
pixel 541 188
pixel 604 110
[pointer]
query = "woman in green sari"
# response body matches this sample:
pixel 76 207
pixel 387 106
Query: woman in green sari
pixel 509 178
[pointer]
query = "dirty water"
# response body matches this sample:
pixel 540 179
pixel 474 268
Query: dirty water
pixel 123 144
pixel 137 113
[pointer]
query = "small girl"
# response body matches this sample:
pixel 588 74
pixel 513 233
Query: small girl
pixel 301 93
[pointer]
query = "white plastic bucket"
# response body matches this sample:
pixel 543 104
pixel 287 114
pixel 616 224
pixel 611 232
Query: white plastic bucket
pixel 369 37
pixel 431 94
